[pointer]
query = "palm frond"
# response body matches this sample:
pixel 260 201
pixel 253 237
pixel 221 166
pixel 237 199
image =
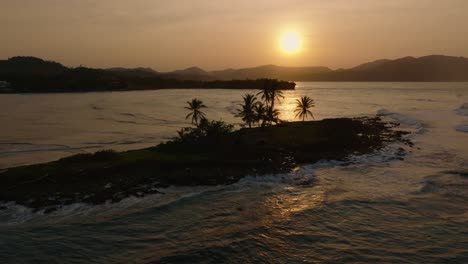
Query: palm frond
pixel 302 107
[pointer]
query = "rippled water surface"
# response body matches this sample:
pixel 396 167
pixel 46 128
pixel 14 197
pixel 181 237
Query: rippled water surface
pixel 376 209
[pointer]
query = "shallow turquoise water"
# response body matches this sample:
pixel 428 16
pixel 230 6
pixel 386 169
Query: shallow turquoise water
pixel 376 209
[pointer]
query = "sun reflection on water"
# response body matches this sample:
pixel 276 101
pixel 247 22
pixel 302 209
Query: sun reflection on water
pixel 293 200
pixel 286 108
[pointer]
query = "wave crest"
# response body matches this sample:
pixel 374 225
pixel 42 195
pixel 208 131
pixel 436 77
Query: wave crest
pixel 462 128
pixel 402 119
pixel 462 110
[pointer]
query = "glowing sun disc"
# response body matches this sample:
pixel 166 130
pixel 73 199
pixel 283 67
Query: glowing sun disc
pixel 290 42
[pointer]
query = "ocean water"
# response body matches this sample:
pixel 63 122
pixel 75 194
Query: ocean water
pixel 374 209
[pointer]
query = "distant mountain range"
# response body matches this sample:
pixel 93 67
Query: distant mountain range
pixel 434 68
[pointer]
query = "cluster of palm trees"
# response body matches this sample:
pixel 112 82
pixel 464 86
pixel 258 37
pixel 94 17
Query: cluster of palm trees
pixel 264 112
pixel 257 112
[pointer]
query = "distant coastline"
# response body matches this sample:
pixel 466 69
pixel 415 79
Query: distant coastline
pixel 34 75
pixel 50 86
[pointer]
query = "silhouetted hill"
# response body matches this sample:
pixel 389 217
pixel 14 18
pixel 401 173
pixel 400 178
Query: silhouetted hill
pixel 192 73
pixel 33 75
pixel 434 68
pixel 30 66
pixel 369 65
pixel 269 71
pixel 29 74
pixel 135 72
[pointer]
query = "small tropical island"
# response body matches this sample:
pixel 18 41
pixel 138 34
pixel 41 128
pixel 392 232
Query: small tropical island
pixel 209 152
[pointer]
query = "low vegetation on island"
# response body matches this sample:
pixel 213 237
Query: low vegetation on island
pixel 207 153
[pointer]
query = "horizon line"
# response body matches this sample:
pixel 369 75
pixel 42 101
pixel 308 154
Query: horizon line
pixel 231 68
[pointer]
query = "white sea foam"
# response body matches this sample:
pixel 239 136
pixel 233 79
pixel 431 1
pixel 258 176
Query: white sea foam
pixel 399 117
pixel 462 128
pixel 299 176
pixel 407 122
pixel 13 214
pixel 463 109
pixel 305 174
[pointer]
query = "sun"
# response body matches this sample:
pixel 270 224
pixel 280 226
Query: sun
pixel 291 42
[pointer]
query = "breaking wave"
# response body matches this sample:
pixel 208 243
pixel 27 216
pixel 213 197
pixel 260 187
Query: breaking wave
pixel 463 109
pixel 404 120
pixel 462 128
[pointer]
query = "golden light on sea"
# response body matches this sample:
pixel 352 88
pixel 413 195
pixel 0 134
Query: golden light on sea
pixel 287 107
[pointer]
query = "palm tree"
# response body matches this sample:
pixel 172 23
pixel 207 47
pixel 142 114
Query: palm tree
pixel 271 115
pixel 270 92
pixel 259 113
pixel 276 95
pixel 247 113
pixel 197 115
pixel 265 91
pixel 302 108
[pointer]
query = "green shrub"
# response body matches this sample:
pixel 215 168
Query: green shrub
pixel 206 130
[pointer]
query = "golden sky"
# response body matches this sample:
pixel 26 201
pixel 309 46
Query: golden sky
pixel 174 34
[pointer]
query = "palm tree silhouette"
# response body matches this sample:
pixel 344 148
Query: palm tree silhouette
pixel 197 115
pixel 302 107
pixel 276 95
pixel 271 115
pixel 270 92
pixel 247 111
pixel 265 91
pixel 259 113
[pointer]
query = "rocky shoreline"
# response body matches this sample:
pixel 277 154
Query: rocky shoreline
pixel 109 176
